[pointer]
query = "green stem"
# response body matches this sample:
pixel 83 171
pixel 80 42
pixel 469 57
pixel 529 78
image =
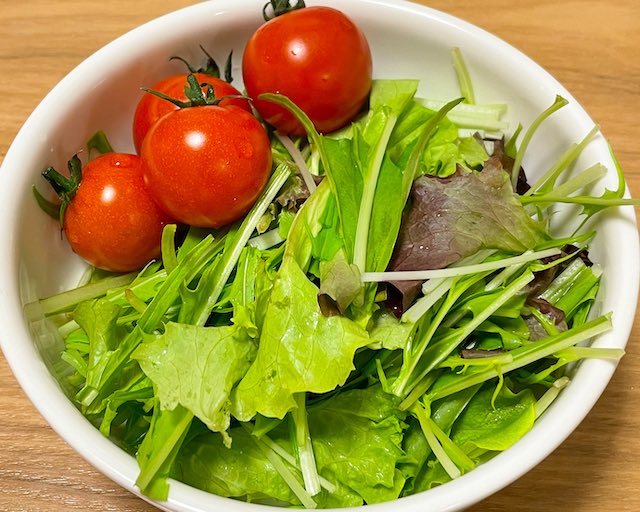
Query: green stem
pixel 437 353
pixel 464 78
pixel 305 448
pixel 285 473
pixel 419 389
pixel 290 459
pixel 434 289
pixel 171 426
pixel 407 380
pixel 550 395
pixel 231 255
pixel 422 275
pixel 583 200
pixel 587 177
pixel 68 300
pixel 557 105
pixel 182 418
pixel 368 194
pixel 525 355
pixel 437 449
pixel 547 182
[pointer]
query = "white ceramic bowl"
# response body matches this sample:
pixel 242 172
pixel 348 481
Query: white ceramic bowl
pixel 408 41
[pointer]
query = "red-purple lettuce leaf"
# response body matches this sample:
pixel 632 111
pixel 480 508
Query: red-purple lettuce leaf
pixel 453 217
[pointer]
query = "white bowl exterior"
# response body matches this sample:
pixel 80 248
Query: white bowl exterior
pixel 101 93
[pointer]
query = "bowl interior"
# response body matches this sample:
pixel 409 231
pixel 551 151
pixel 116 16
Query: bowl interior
pixel 407 41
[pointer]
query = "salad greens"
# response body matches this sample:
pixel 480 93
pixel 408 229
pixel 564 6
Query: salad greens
pixel 391 313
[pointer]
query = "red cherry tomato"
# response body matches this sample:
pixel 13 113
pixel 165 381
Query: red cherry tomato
pixel 206 165
pixel 151 107
pixel 318 58
pixel 112 222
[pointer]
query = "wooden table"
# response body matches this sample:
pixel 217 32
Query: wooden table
pixel 591 46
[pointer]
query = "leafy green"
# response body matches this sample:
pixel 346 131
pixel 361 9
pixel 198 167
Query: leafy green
pixel 160 448
pixel 388 100
pixel 300 349
pixel 340 280
pixel 495 420
pixel 243 471
pixel 261 362
pixel 455 217
pixel 111 366
pixel 196 367
pixel 357 438
pixel 98 319
pixel 387 332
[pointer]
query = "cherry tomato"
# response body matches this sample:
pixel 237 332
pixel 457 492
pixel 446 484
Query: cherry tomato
pixel 206 165
pixel 112 222
pixel 318 58
pixel 151 107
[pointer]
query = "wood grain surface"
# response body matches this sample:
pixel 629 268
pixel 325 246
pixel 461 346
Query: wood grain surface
pixel 591 46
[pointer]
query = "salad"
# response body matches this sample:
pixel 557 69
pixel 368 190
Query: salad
pixel 364 301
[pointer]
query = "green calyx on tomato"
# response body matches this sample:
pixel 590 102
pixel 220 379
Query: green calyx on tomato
pixel 106 213
pixel 196 96
pixel 206 166
pixel 100 143
pixel 280 7
pixel 211 67
pixel 64 187
pixel 152 107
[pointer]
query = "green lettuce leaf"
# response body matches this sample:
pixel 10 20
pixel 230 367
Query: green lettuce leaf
pixel 241 472
pixel 340 280
pixel 357 438
pixel 495 421
pixel 196 367
pixel 444 150
pixel 99 320
pixel 387 332
pixel 472 152
pixel 358 170
pixel 300 349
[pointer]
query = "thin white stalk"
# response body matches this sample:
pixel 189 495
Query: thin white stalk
pixel 292 460
pixel 266 240
pixel 305 448
pixel 437 449
pixel 299 160
pixel 435 289
pixel 422 275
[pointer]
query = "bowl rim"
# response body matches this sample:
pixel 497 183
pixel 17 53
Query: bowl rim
pixel 44 391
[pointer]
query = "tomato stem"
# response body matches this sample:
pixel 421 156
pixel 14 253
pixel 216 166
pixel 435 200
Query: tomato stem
pixel 64 187
pixel 280 7
pixel 50 208
pixel 227 68
pixel 210 67
pixel 100 143
pixel 196 97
